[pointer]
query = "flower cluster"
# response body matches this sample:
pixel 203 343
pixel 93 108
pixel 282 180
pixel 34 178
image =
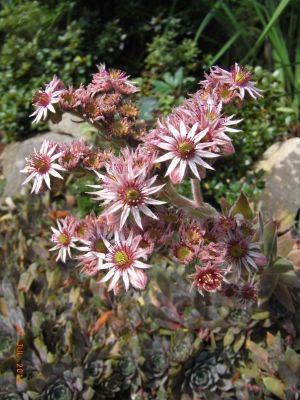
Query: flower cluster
pixel 133 185
pixel 103 102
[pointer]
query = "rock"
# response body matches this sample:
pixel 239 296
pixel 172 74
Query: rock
pixel 281 195
pixel 71 125
pixel 12 160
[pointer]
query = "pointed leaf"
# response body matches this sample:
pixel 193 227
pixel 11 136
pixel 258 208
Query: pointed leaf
pixel 242 206
pixel 163 283
pixel 239 342
pixel 270 240
pixel 290 279
pixel 284 297
pixel 225 206
pixel 281 265
pixel 268 283
pixel 275 386
pixel 293 360
pixel 285 244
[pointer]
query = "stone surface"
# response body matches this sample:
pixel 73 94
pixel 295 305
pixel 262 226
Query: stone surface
pixel 12 160
pixel 282 192
pixel 69 125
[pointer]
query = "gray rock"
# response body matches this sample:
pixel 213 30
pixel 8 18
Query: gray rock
pixel 282 191
pixel 12 160
pixel 71 125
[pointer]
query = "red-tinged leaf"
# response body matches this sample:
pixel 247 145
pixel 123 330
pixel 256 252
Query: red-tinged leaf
pixel 100 322
pixel 242 206
pixel 54 215
pixel 258 354
pixel 284 297
pixel 294 257
pixel 285 244
pixel 225 206
pixel 274 344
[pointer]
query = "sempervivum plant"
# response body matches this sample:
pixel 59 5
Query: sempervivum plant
pixel 136 185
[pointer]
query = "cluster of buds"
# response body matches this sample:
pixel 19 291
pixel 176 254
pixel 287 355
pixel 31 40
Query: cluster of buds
pixel 142 210
pixel 103 102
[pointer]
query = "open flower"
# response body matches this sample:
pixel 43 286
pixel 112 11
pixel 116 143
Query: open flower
pixel 128 191
pixel 207 278
pixel 185 150
pixel 40 165
pixel 240 253
pixel 64 238
pixel 122 260
pixel 43 100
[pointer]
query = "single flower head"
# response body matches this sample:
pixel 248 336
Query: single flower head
pixel 40 165
pixel 184 253
pixel 123 261
pixel 208 278
pixel 241 253
pixel 185 150
pixel 64 238
pixel 43 100
pixel 128 192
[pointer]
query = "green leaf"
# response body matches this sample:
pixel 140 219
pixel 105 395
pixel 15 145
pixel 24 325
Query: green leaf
pixel 275 386
pixel 163 283
pixel 147 106
pixel 241 206
pixel 272 21
pixel 261 315
pixel 284 297
pixel 268 283
pixel 293 360
pixel 270 240
pixel 53 278
pixel 290 279
pixel 281 265
pixel 161 86
pixel 178 77
pixel 239 342
pixel 228 338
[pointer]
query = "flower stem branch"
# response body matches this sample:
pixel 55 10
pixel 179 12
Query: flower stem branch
pixel 176 198
pixel 196 190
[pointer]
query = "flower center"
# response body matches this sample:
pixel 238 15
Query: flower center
pixel 99 246
pixel 186 149
pixel 41 99
pixel 132 196
pixel 193 236
pixel 42 163
pixel 121 258
pixel 183 252
pixel 236 251
pixel 209 280
pixel 242 76
pixel 64 239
